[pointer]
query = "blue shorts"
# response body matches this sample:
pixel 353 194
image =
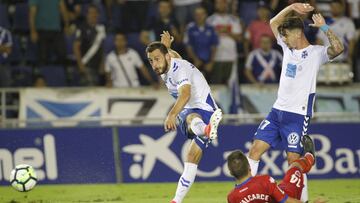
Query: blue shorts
pixel 181 118
pixel 285 127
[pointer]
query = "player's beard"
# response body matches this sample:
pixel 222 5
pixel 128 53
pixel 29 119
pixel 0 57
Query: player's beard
pixel 164 68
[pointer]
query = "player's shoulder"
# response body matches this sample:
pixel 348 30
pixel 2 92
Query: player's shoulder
pixel 111 55
pixel 264 178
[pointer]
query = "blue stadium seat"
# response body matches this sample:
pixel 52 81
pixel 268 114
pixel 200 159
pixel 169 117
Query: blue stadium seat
pixel 116 18
pixel 21 76
pixel 134 42
pixel 54 75
pixel 31 51
pixel 108 44
pixel 4 20
pixel 21 21
pixel 16 55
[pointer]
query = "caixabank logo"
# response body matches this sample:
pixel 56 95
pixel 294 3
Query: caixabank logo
pixel 150 155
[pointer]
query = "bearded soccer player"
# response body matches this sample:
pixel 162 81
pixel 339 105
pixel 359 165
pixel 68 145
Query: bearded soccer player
pixel 195 109
pixel 288 121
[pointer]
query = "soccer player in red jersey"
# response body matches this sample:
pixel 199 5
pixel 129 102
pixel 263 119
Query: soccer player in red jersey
pixel 263 188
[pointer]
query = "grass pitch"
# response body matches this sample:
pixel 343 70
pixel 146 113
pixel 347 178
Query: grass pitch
pixel 337 191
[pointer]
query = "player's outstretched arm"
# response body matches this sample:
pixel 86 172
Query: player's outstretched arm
pixel 167 40
pixel 336 46
pixel 300 8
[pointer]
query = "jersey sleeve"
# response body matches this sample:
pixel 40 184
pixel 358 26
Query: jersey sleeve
pixel 280 42
pixel 275 192
pixel 181 76
pixel 324 57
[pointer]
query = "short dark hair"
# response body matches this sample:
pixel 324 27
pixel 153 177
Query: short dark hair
pixel 238 164
pixel 291 23
pixel 156 45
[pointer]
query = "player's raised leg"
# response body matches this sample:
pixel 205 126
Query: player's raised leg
pixel 293 181
pixel 201 132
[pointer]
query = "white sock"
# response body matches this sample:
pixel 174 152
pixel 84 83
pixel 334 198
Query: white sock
pixel 185 181
pixel 198 126
pixel 305 193
pixel 254 165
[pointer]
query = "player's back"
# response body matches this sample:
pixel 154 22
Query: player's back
pixel 258 189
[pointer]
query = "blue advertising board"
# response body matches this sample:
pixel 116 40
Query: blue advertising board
pixel 69 155
pixel 148 154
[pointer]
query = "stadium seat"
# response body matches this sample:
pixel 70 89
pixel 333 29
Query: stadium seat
pixel 31 51
pixel 21 76
pixel 16 55
pixel 116 18
pixel 55 75
pixel 4 20
pixel 21 22
pixel 134 42
pixel 108 44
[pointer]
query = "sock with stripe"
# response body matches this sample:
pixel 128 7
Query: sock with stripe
pixel 254 165
pixel 185 181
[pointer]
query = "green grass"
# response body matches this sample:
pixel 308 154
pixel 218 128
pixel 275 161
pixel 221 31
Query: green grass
pixel 337 191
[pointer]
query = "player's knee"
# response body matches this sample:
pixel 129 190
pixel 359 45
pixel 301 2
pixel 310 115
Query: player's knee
pixel 257 150
pixel 189 119
pixel 291 157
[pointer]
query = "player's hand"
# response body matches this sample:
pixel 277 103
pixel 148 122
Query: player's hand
pixel 166 39
pixel 302 8
pixel 209 67
pixel 170 123
pixel 318 20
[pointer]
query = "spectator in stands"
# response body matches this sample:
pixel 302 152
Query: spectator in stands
pixel 5 50
pixel 45 28
pixel 344 28
pixel 74 12
pixel 263 64
pixel 259 27
pixel 39 81
pixel 88 49
pixel 184 10
pixel 164 21
pixel 121 65
pixel 201 41
pixel 229 31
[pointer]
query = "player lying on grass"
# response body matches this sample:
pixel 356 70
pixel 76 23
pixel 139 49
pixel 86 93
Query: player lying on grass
pixel 263 188
pixel 195 113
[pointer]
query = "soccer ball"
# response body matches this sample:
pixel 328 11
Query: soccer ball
pixel 23 178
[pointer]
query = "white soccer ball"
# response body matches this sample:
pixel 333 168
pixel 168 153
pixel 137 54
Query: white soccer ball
pixel 23 178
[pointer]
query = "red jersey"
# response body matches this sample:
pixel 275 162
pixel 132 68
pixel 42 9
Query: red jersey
pixel 258 189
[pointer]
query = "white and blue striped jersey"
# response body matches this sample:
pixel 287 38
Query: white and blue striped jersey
pixel 182 72
pixel 297 87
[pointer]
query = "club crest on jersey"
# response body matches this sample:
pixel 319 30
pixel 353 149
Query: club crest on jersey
pixel 304 54
pixel 290 70
pixel 293 138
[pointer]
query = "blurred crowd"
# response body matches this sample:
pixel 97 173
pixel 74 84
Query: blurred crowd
pixel 102 42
